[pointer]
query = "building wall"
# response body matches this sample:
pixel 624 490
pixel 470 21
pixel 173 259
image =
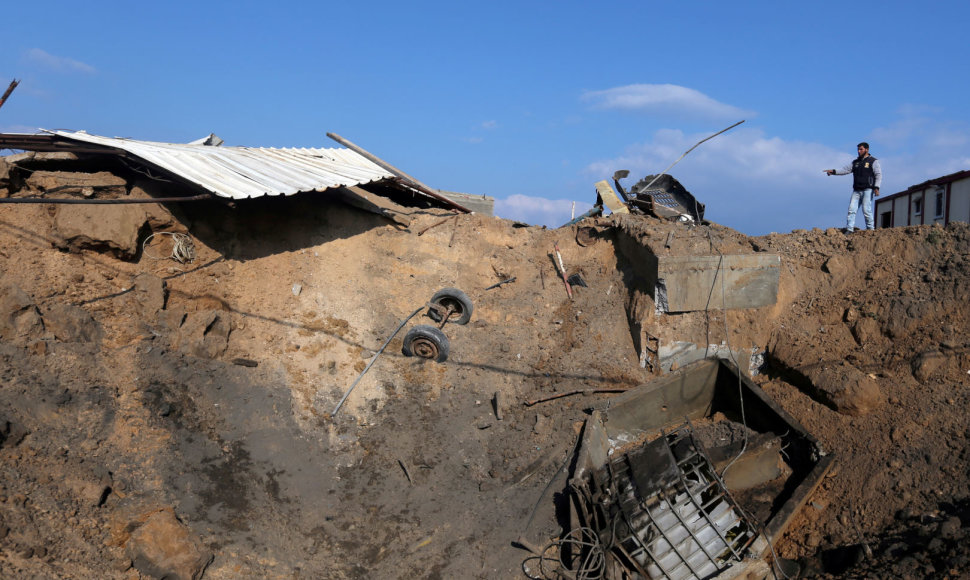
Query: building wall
pixel 960 201
pixel 900 214
pixel 904 207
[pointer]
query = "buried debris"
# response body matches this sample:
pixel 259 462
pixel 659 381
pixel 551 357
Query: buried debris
pixel 429 342
pixel 684 478
pixel 562 272
pixel 506 281
pixel 666 512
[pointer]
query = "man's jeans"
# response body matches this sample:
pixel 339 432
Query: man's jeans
pixel 866 196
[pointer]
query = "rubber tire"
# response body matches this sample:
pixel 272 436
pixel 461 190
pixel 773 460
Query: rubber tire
pixel 426 342
pixel 458 300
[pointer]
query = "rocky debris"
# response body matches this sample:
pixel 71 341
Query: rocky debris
pixel 836 384
pixel 205 333
pixel 4 177
pixel 30 158
pixel 867 331
pixel 20 320
pixel 11 434
pixel 163 547
pixel 91 487
pixel 922 545
pixel 926 364
pixel 846 389
pixel 160 217
pixel 69 323
pixel 72 183
pixel 148 295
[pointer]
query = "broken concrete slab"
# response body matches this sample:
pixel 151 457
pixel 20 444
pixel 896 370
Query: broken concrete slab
pixel 691 283
pixel 4 172
pixel 682 353
pixel 41 156
pixel 680 269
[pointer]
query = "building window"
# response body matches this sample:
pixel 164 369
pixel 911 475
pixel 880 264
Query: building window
pixel 918 206
pixel 939 204
pixel 886 219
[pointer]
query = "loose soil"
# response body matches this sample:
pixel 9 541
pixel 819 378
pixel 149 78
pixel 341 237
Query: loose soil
pixel 213 398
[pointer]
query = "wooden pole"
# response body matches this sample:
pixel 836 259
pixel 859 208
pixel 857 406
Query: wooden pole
pixel 400 174
pixel 13 85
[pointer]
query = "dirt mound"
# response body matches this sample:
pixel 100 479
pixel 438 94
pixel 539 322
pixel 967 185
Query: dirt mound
pixel 137 385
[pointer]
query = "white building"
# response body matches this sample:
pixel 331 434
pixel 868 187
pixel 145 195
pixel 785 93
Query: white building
pixel 942 200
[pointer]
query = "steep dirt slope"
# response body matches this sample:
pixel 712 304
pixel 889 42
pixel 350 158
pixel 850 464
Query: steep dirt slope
pixel 248 457
pixel 129 388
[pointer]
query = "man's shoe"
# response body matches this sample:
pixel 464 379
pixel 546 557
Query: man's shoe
pixel 847 231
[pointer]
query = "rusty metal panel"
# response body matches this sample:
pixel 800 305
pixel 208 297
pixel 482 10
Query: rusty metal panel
pixel 731 281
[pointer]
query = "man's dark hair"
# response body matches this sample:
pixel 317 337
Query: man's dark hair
pixel 863 144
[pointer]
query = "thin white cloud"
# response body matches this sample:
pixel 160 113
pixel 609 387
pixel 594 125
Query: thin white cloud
pixel 921 144
pixel 663 99
pixel 57 63
pixel 19 129
pixel 489 124
pixel 472 140
pixel 539 210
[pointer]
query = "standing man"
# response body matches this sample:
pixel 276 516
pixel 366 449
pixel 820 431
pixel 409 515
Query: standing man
pixel 866 178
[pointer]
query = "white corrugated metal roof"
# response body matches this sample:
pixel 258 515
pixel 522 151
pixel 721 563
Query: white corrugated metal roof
pixel 243 172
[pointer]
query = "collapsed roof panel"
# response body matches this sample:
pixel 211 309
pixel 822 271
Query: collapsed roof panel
pixel 231 172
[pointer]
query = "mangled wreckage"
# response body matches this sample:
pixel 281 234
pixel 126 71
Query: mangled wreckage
pixel 692 476
pixel 212 171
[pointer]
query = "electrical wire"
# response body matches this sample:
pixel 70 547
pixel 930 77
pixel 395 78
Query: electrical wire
pixel 586 541
pixel 744 422
pixel 183 249
pixel 373 360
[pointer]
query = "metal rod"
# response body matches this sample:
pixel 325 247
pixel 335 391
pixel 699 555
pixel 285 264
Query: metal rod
pixel 73 200
pixel 497 284
pixel 704 514
pixel 400 174
pixel 438 223
pixel 688 151
pixel 562 270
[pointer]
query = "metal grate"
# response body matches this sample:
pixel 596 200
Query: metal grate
pixel 680 524
pixel 664 198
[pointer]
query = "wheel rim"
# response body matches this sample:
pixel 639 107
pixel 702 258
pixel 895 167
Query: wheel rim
pixel 457 310
pixel 424 348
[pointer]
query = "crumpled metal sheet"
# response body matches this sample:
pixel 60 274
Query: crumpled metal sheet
pixel 246 172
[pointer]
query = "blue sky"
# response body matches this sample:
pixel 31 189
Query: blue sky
pixel 529 102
